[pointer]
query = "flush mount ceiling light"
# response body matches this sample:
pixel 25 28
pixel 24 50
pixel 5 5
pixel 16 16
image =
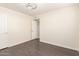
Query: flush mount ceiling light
pixel 31 6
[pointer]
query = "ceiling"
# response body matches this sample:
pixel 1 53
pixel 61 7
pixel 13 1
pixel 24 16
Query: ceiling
pixel 42 7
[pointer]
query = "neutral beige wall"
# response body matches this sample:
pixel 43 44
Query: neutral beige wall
pixel 58 27
pixel 19 26
pixel 77 27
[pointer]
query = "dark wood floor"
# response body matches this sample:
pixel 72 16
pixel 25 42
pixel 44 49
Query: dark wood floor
pixel 32 48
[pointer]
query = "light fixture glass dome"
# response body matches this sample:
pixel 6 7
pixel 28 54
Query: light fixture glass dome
pixel 31 5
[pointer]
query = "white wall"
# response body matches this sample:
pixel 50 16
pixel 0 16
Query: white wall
pixel 77 27
pixel 19 26
pixel 58 27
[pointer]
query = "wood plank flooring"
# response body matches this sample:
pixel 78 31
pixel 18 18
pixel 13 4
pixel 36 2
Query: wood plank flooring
pixel 36 48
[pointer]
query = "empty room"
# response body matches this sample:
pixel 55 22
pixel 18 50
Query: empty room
pixel 39 29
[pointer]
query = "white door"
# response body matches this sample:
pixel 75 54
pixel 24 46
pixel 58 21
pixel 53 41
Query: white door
pixel 3 32
pixel 34 29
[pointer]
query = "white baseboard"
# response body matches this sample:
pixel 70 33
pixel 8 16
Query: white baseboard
pixel 61 45
pixel 14 44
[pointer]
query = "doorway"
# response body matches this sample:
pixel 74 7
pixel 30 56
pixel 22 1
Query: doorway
pixel 36 28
